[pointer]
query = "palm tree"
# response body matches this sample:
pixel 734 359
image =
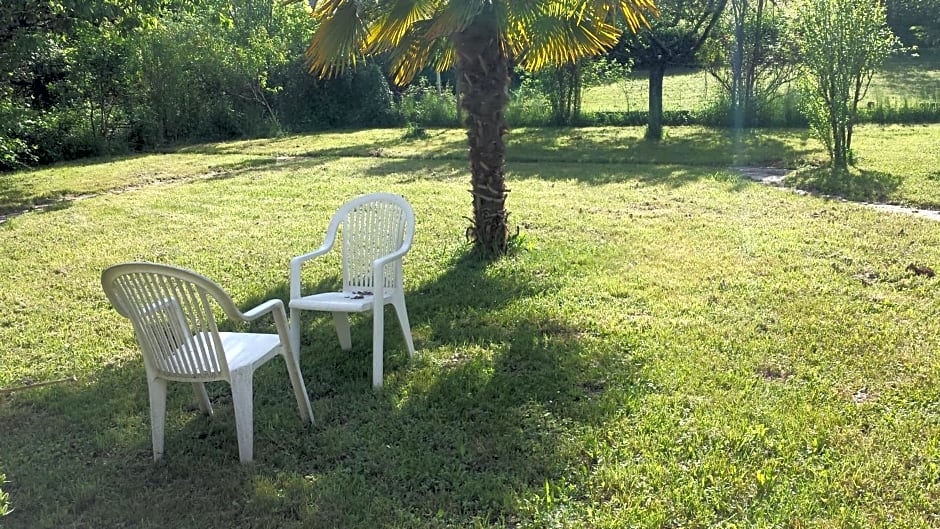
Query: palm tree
pixel 480 37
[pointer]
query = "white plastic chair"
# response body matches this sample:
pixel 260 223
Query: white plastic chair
pixel 171 310
pixel 377 231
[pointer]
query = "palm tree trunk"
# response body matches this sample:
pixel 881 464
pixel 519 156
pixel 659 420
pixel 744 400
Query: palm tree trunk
pixel 484 84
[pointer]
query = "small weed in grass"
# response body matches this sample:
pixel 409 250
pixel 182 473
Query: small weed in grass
pixel 415 132
pixel 4 498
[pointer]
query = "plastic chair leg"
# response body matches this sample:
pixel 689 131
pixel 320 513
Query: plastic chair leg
pixel 378 335
pixel 341 322
pixel 244 413
pixel 294 327
pixel 157 390
pixel 300 389
pixel 402 311
pixel 202 398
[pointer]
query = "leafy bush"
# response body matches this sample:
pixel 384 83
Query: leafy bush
pixel 357 99
pixel 528 105
pixel 842 43
pixel 887 110
pixel 421 104
pixel 60 135
pixel 561 88
pixel 14 151
pixel 781 111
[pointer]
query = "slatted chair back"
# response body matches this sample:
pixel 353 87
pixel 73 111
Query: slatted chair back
pixel 373 226
pixel 171 311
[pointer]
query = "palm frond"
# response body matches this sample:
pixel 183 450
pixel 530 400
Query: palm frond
pixel 454 16
pixel 414 51
pixel 395 19
pixel 445 55
pixel 562 39
pixel 325 8
pixel 633 12
pixel 338 41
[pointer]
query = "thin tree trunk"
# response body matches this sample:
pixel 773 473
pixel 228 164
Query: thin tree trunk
pixel 654 128
pixel 578 78
pixel 457 92
pixel 737 65
pixel 750 79
pixel 484 76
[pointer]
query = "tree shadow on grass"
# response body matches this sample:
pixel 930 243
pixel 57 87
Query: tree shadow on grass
pixel 484 416
pixel 16 198
pixel 855 185
pixel 590 173
pixel 600 156
pixel 363 149
pixel 482 420
pixel 693 147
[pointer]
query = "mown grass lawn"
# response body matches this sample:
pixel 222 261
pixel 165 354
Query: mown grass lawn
pixel 895 164
pixel 668 346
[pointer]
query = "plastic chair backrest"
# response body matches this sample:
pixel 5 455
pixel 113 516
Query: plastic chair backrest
pixel 171 311
pixel 373 226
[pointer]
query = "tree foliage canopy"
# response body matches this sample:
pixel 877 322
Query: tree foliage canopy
pixel 841 44
pixel 417 33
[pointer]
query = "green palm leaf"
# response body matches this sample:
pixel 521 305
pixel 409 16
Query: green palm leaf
pixel 454 16
pixel 414 50
pixel 395 19
pixel 563 40
pixel 337 41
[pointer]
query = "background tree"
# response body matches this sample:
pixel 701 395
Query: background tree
pixel 563 85
pixel 480 37
pixel 749 57
pixel 841 43
pixel 51 54
pixel 87 77
pixel 672 39
pixel 915 22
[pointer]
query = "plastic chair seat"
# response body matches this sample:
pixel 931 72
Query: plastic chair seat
pixel 337 301
pixel 244 349
pixel 241 349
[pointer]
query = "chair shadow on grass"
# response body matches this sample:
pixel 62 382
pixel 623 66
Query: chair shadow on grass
pixel 482 419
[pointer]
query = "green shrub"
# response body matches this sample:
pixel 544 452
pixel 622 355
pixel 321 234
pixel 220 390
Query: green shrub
pixel 357 99
pixel 421 104
pixel 14 151
pixel 528 105
pixel 889 110
pixel 781 111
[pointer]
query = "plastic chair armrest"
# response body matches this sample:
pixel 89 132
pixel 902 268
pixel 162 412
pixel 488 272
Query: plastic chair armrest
pixel 378 266
pixel 388 258
pixel 297 262
pixel 262 309
pixel 276 308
